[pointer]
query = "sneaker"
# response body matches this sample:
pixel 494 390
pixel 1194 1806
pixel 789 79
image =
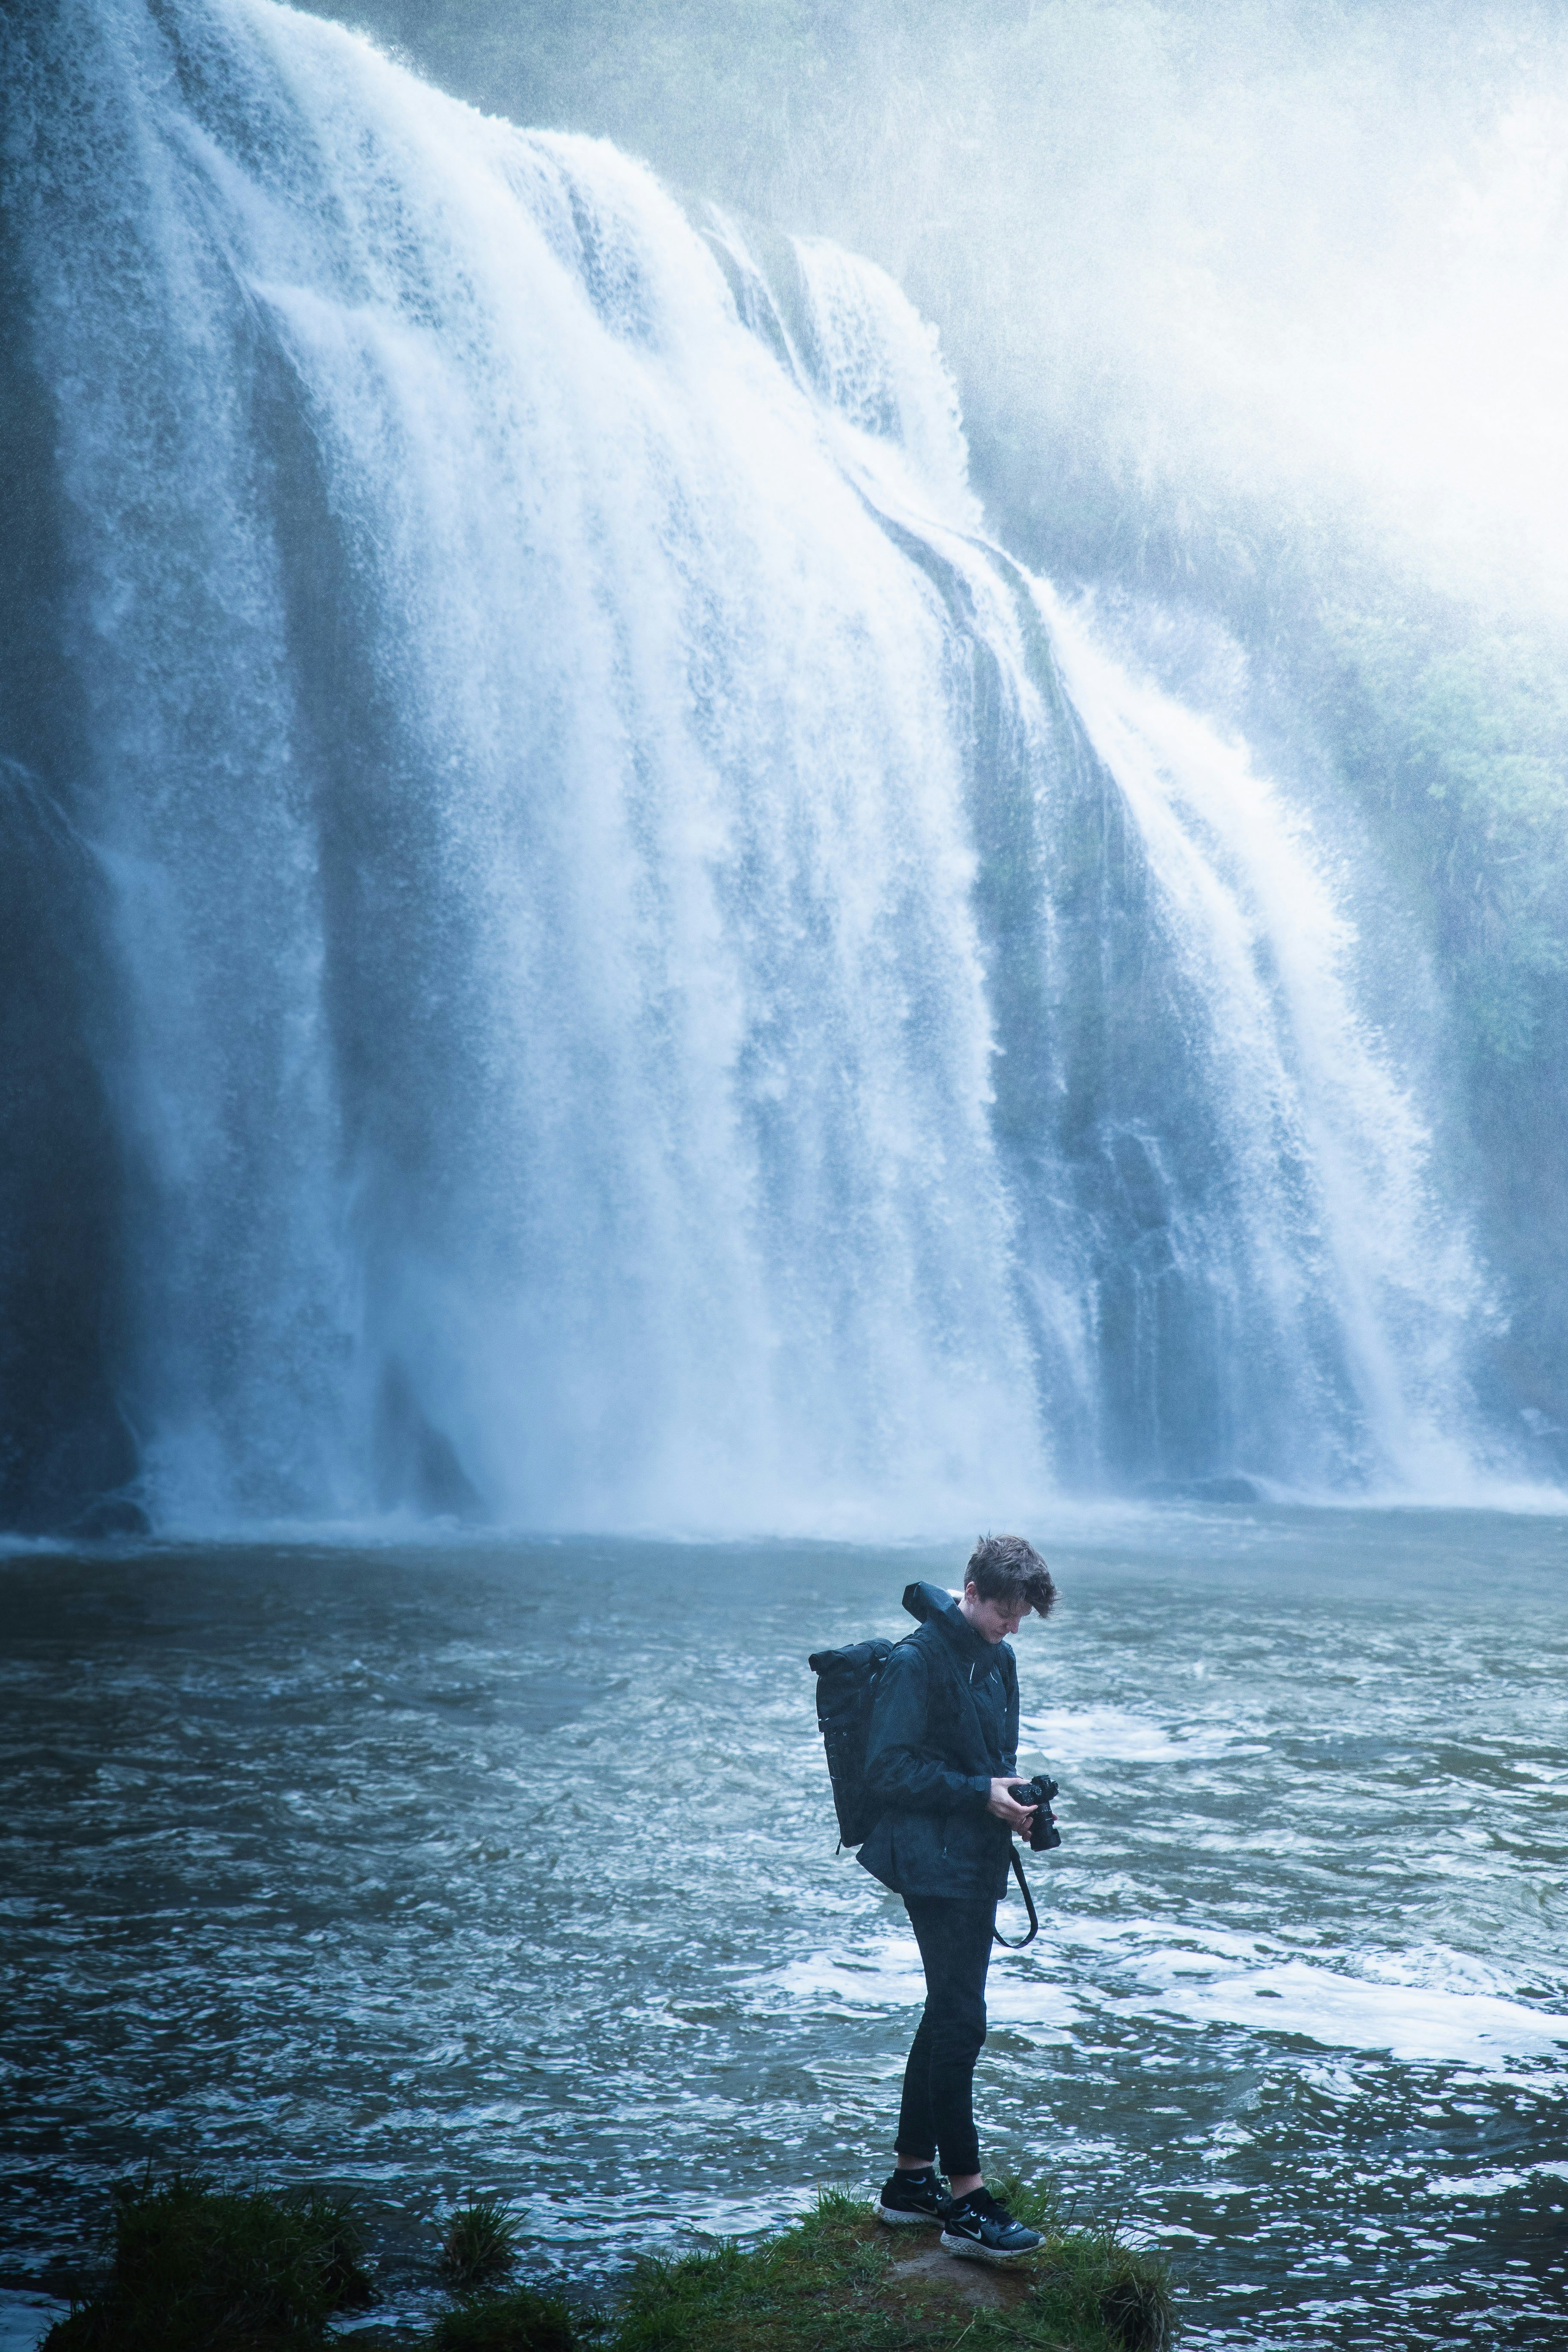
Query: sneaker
pixel 978 2227
pixel 911 2197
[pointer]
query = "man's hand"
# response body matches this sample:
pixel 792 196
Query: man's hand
pixel 1001 1803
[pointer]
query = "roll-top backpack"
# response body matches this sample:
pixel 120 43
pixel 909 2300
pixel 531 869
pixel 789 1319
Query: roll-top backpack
pixel 845 1691
pixel 846 1686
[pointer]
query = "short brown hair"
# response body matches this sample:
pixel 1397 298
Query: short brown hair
pixel 1006 1567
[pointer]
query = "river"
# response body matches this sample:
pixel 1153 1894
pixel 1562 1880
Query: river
pixel 510 1865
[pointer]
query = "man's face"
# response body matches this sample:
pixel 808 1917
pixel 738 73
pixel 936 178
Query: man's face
pixel 996 1620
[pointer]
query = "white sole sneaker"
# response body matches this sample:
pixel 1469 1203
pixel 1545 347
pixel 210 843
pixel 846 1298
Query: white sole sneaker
pixel 971 2250
pixel 897 2220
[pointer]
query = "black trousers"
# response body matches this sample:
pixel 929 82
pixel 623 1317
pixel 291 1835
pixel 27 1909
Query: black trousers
pixel 937 2116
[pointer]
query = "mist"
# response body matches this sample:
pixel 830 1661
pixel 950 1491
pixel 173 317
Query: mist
pixel 1193 255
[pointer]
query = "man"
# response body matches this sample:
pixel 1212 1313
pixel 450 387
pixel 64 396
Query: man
pixel 942 1750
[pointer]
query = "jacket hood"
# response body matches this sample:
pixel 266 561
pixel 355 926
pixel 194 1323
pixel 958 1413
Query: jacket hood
pixel 931 1605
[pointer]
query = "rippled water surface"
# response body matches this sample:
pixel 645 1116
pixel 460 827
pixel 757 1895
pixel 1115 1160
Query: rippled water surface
pixel 511 1866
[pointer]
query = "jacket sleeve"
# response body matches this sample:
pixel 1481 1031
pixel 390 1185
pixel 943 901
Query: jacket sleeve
pixel 902 1770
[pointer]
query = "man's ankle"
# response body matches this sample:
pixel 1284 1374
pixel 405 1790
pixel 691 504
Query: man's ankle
pixel 914 2163
pixel 967 2183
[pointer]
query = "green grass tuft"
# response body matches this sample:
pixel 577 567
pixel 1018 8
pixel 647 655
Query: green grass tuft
pixel 1091 2287
pixel 1136 2302
pixel 518 2322
pixel 192 2268
pixel 479 2248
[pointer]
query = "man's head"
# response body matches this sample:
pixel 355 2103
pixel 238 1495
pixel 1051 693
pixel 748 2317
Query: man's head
pixel 1004 1580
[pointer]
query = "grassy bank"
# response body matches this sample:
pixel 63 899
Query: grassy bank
pixel 840 2282
pixel 192 2268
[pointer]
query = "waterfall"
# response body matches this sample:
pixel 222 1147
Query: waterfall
pixel 634 970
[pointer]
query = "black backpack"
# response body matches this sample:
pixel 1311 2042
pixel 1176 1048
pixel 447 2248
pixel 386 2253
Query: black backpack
pixel 846 1686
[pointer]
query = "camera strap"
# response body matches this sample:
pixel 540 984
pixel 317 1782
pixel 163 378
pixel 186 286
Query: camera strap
pixel 1016 1944
pixel 1010 1943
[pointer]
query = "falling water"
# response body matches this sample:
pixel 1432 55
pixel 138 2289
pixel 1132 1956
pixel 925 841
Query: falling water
pixel 646 974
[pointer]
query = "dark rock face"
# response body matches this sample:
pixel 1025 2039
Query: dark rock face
pixel 64 1439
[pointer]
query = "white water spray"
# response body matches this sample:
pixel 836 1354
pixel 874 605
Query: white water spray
pixel 657 997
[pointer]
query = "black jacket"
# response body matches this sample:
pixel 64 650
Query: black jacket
pixel 944 1724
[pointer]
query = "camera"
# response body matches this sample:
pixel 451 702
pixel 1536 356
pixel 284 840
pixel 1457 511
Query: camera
pixel 1038 1792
